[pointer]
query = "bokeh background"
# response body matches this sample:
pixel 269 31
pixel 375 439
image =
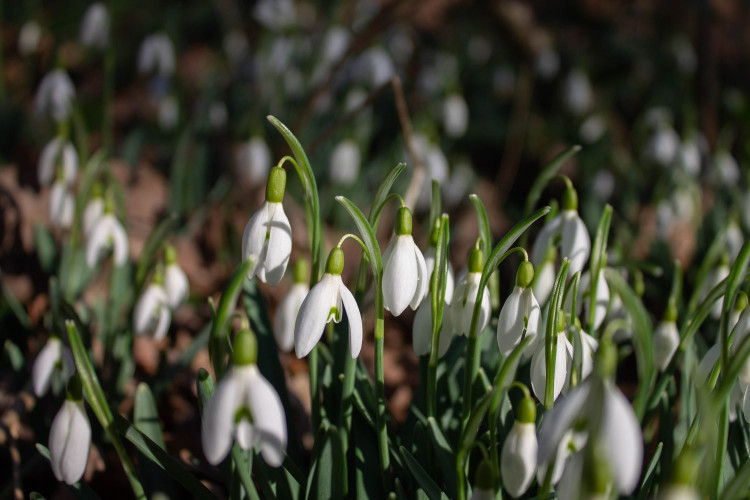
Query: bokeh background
pixel 654 91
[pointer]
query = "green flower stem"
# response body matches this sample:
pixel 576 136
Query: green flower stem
pixel 438 282
pixel 598 256
pixel 550 347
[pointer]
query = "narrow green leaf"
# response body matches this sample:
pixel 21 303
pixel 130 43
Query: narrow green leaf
pixel 739 485
pixel 546 175
pixel 154 241
pixel 598 254
pixel 483 222
pixel 368 235
pixel 443 453
pixel 642 340
pixel 46 249
pixel 146 415
pixel 423 479
pixel 648 477
pixel 435 205
pixel 382 193
pixel 469 434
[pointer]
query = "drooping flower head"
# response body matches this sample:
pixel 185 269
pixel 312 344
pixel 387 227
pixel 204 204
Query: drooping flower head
pixel 344 165
pixel 405 279
pixel 484 482
pixel 518 459
pixel 245 408
pixel 567 228
pixel 70 437
pixel 666 338
pixel 286 314
pixel 175 280
pixel 563 350
pixel 58 161
pixel 54 96
pixel 152 314
pixel 61 205
pixel 107 234
pixel 268 235
pixel 94 209
pixel 53 362
pixel 520 314
pixel 156 55
pixel 95 27
pixel 326 302
pixel 455 115
pixel 465 296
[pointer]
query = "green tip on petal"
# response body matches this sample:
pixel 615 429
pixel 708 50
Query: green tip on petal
pixel 158 278
pixel 403 222
pixel 485 478
pixel 570 199
pixel 671 313
pixel 170 254
pixel 109 205
pixel 724 261
pixel 526 412
pixel 435 233
pixel 596 474
pixel 525 274
pixel 301 270
pixel 335 263
pixel 97 191
pixel 606 358
pixel 476 260
pixel 686 468
pixel 74 391
pixel 276 185
pixel 245 348
pixel 639 286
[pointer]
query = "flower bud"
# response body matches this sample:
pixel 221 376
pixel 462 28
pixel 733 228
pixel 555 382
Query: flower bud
pixel 69 441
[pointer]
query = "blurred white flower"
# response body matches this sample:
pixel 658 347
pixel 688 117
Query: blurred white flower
pixel 156 55
pixel 275 14
pixel 455 115
pixel 520 314
pixel 53 361
pixel 436 166
pixel 604 184
pixel 679 492
pixel 95 27
pixel 662 146
pixel 378 66
pixel 69 442
pixel 253 160
pixel 62 205
pixel 57 154
pixel 593 128
pixel 245 408
pixel 575 242
pixel 578 95
pixel 734 239
pixel 690 157
pixel 465 296
pixel 217 114
pixel 715 277
pixel 107 234
pixel 168 112
pixel 547 63
pixel 28 38
pixel 324 304
pixel 334 45
pixel 343 167
pixel 151 315
pixel 91 214
pixel 286 315
pixel 684 54
pixel 236 46
pixel 544 278
pixel 54 96
pixel 726 171
pixel 405 279
pixel 176 283
pixel 666 340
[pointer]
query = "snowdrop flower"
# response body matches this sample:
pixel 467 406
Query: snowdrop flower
pixel 244 407
pixel 53 360
pixel 217 115
pixel 286 315
pixel 152 315
pixel 714 278
pixel 405 279
pixel 520 313
pixel 268 236
pixel 484 482
pixel 663 145
pixel 429 262
pixel 275 14
pixel 599 407
pixel 593 128
pixel 690 157
pixel 70 437
pixel 544 279
pixel 334 46
pixel 734 239
pixel 156 55
pixel 94 209
pixel 54 96
pixel 57 155
pixel 107 234
pixel 455 115
pixel 324 304
pixel 175 281
pixel 28 38
pixel 379 66
pixel 95 27
pixel 575 243
pixel 61 205
pixel 547 63
pixel 345 162
pixel 518 459
pixel 168 112
pixel 465 296
pixel 726 171
pixel 685 474
pixel 666 338
pixel 583 301
pixel 538 375
pixel 253 160
pixel 578 95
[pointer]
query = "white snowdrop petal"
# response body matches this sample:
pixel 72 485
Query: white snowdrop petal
pixel 95 26
pixel 422 330
pixel 423 279
pixel 510 322
pixel 176 285
pixel 254 238
pixel 576 243
pixel 557 422
pixel 91 214
pixel 543 240
pixel 313 314
pixel 518 459
pixel 47 160
pixel 539 369
pixel 400 275
pixel 286 315
pixel 279 247
pixel 666 340
pixel 44 365
pixel 268 417
pixel 162 323
pixel 245 434
pixel 354 318
pixel 534 316
pixel 147 310
pixel 345 163
pixel 569 487
pixel 69 163
pixel 119 242
pixel 624 441
pixel 69 442
pixel 544 281
pixel 746 404
pixel 217 428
